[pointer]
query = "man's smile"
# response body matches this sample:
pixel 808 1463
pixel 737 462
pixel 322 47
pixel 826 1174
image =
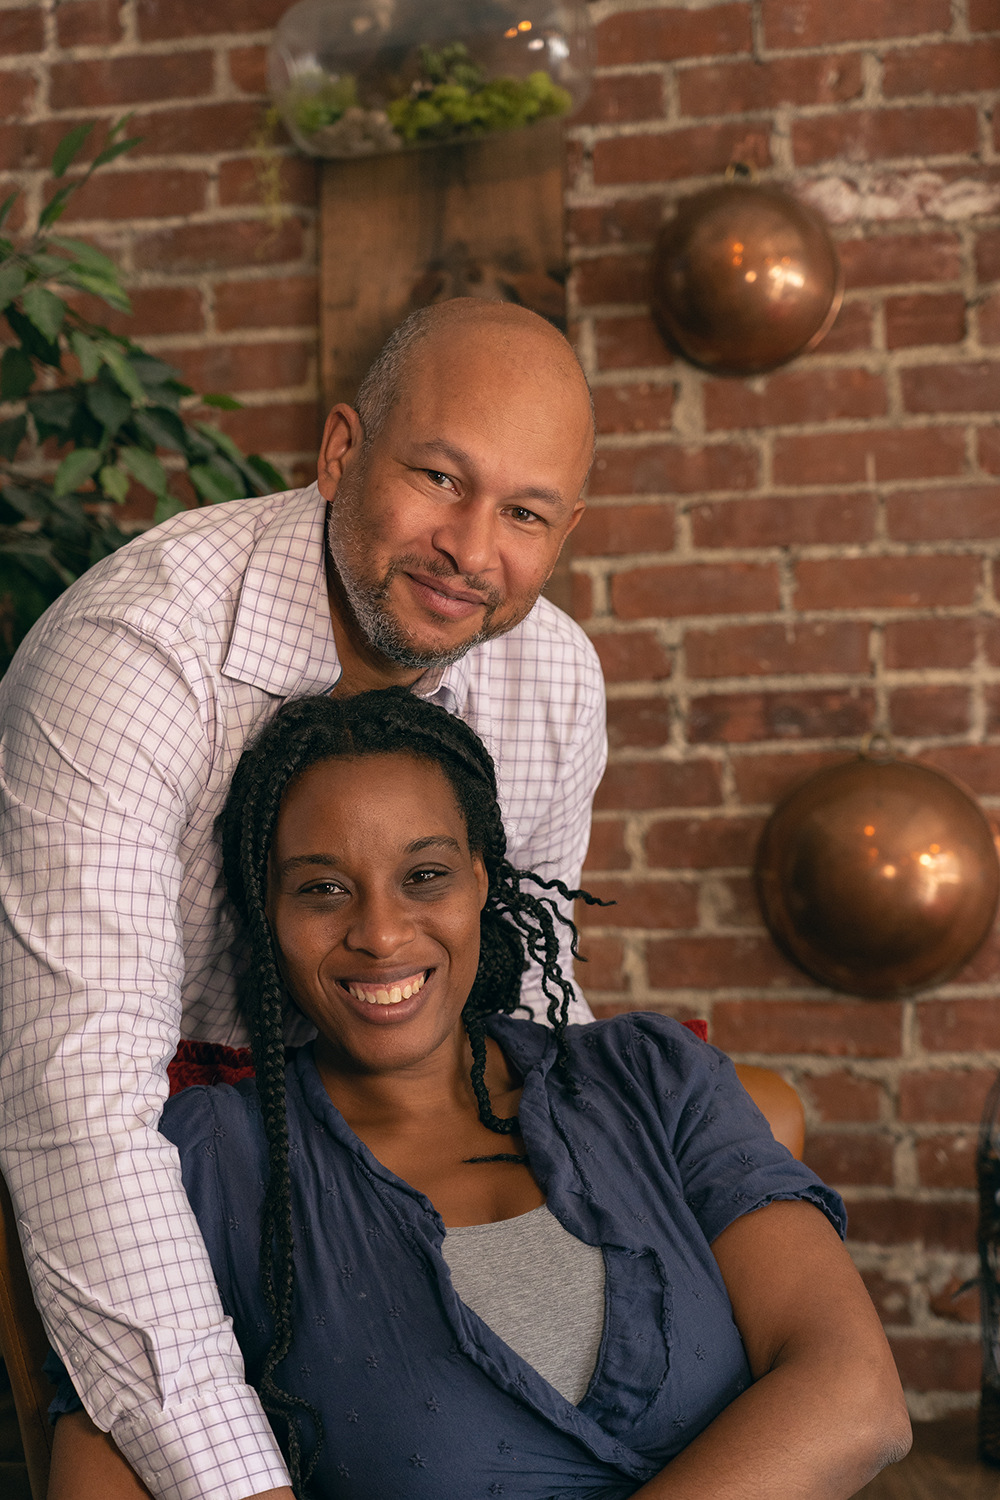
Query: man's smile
pixel 446 599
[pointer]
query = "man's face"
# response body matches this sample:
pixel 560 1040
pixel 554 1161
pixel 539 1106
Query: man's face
pixel 445 528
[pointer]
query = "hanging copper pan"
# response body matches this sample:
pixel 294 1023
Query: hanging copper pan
pixel 878 877
pixel 745 277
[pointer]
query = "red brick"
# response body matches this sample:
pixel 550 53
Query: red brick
pixel 635 785
pixel 695 589
pixel 920 710
pixel 702 843
pixel 991 641
pixel 737 88
pixel 582 591
pixel 644 407
pixel 800 395
pixel 154 310
pixel 201 129
pixel 958 387
pixel 284 427
pixel 18 95
pixel 638 723
pixel 984 965
pixel 717 962
pixel 901 1221
pixel 149 194
pixel 989 449
pixel 956 1302
pixel 633 657
pixel 89 23
pixel 738 718
pixel 646 36
pixel 945 1097
pixel 983 15
pixel 978 766
pixel 947 1161
pixel 825 1028
pixel 629 344
pixel 924 318
pixel 160 19
pixel 845 457
pixel 852 1160
pixel 988 255
pixel 622 99
pixel 891 1298
pixel 130 80
pixel 213 247
pixel 852 330
pixel 609 530
pixel 662 469
pixel 628 220
pixel 875 134
pixel 967 511
pixel 21 30
pixel 603 958
pixel 612 278
pixel 245 367
pixel 938 1364
pixel 959 1025
pixel 648 904
pixel 929 643
pixel 734 902
pixel 892 259
pixel 988 320
pixel 779 521
pixel 248 69
pixel 239 182
pixel 281 302
pixel 690 151
pixel 886 582
pixel 814 23
pixel 607 849
pixel 841 1097
pixel 766 650
pixel 945 68
pixel 769 778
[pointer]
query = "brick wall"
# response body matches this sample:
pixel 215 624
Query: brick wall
pixel 222 286
pixel 771 568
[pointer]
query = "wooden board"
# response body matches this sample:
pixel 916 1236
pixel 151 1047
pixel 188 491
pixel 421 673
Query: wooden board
pixel 398 232
pixel 942 1465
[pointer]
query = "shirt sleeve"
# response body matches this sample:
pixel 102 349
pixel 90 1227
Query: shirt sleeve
pixel 106 741
pixel 728 1160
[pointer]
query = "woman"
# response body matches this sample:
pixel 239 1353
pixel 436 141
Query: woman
pixel 634 1292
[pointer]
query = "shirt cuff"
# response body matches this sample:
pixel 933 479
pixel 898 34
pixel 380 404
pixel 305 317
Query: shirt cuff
pixel 217 1447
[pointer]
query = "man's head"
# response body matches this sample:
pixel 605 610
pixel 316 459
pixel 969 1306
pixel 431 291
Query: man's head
pixel 456 481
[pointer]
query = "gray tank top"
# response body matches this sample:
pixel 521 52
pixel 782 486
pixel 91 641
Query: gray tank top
pixel 539 1288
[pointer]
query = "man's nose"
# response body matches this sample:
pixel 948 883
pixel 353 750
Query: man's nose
pixel 467 534
pixel 380 924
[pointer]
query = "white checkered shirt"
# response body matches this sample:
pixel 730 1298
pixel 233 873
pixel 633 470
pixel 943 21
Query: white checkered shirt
pixel 122 718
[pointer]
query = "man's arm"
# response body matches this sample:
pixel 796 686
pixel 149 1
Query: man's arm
pixel 105 747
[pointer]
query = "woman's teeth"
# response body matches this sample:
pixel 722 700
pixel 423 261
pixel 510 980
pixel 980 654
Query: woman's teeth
pixel 389 996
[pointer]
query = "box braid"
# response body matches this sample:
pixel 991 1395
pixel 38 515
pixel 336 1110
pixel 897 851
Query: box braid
pixel 515 925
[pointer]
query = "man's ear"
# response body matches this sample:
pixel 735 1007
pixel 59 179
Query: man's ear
pixel 578 510
pixel 342 438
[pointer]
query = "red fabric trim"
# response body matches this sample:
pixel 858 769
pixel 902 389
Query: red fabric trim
pixel 208 1062
pixel 700 1029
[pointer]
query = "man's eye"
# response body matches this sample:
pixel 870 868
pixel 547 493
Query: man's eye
pixel 436 477
pixel 519 513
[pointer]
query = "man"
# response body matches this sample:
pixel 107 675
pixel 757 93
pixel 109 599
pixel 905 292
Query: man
pixel 441 505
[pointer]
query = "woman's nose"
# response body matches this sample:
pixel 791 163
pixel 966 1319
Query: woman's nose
pixel 380 925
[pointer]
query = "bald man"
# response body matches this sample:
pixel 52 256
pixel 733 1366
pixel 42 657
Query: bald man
pixel 418 557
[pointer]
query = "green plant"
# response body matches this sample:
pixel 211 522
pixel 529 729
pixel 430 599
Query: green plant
pixel 452 99
pixel 108 408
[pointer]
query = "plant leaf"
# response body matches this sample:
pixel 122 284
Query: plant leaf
pixel 69 147
pixel 17 375
pixel 53 412
pixel 124 374
pixel 86 255
pixel 275 480
pixel 151 371
pixel 224 403
pixel 56 206
pixel 74 469
pixel 87 351
pixel 110 152
pixel 212 486
pixel 6 206
pixel 12 433
pixel 26 501
pixel 166 507
pixel 45 310
pixel 34 342
pixel 221 440
pixel 12 280
pixel 108 402
pixel 115 483
pixel 162 427
pixel 145 467
pixel 89 281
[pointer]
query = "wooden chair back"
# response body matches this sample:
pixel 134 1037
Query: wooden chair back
pixel 24 1345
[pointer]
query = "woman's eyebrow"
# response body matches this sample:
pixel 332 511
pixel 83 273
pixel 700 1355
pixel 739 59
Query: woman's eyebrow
pixel 297 860
pixel 331 862
pixel 434 841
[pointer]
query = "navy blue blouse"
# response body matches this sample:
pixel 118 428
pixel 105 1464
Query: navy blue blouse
pixel 420 1400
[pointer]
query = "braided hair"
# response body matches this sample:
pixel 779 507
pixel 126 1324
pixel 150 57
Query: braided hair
pixel 515 925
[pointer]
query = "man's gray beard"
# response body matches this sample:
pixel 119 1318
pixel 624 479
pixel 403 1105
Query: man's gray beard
pixel 368 601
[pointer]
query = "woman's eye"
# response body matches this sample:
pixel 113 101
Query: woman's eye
pixel 426 877
pixel 324 888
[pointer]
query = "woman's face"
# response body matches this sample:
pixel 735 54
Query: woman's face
pixel 374 902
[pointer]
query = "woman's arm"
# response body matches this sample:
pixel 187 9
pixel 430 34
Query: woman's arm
pixel 86 1465
pixel 826 1412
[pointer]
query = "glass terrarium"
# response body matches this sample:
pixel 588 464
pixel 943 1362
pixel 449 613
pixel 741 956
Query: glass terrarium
pixel 363 77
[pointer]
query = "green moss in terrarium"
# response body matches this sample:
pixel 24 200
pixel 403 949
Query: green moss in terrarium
pixel 452 99
pixel 315 105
